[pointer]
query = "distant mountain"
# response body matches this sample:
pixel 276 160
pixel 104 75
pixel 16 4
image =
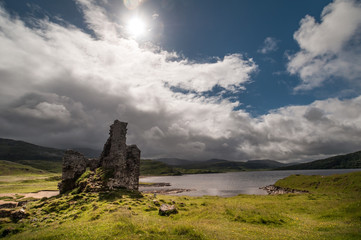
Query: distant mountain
pixel 155 168
pixel 222 165
pixel 13 150
pixel 351 160
pixel 175 161
pixel 263 164
pixel 39 157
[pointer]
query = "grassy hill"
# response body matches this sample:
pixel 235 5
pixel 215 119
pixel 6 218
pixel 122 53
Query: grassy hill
pixel 46 165
pixel 39 157
pixel 351 160
pixel 8 168
pixel 155 168
pixel 340 184
pixel 19 178
pixel 263 164
pixel 220 165
pixel 13 150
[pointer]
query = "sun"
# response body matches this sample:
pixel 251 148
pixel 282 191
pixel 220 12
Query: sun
pixel 136 27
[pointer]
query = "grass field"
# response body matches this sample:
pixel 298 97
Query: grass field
pixel 19 178
pixel 332 210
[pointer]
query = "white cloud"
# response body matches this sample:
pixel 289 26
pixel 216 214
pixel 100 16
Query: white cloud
pixel 329 49
pixel 269 45
pixel 62 87
pixel 155 16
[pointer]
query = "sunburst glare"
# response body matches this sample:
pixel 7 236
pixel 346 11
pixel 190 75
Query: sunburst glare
pixel 136 27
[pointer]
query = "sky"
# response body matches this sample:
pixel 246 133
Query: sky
pixel 236 80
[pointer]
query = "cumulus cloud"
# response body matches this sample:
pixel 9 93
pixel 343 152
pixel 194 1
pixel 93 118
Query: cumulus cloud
pixel 330 49
pixel 269 45
pixel 63 87
pixel 51 68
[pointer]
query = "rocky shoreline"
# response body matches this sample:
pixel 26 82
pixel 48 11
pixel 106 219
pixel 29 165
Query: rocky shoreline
pixel 161 184
pixel 159 188
pixel 275 190
pixel 166 191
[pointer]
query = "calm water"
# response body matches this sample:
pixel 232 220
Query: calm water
pixel 234 183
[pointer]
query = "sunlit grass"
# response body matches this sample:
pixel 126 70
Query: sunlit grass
pixel 29 183
pixel 323 214
pixel 19 178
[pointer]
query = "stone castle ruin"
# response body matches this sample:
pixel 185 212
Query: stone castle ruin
pixel 118 164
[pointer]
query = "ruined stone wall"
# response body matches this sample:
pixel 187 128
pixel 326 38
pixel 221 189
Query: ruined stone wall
pixel 74 165
pixel 119 161
pixel 113 157
pixel 133 167
pixel 124 167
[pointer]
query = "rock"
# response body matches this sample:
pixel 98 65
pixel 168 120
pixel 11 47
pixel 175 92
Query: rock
pixel 9 205
pixel 156 202
pixel 74 165
pixel 18 214
pixel 22 203
pixel 166 210
pixel 93 163
pixel 4 213
pixel 14 215
pixel 275 190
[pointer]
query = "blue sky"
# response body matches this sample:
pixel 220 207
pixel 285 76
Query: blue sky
pixel 205 79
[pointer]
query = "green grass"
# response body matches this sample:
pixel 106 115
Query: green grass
pixel 330 211
pixel 155 168
pixel 18 178
pixel 49 166
pixel 8 168
pixel 339 184
pixel 29 183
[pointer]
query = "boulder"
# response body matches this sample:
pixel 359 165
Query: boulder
pixel 166 210
pixel 14 215
pixel 18 214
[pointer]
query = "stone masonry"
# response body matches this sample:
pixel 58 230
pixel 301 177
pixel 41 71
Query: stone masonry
pixel 120 162
pixel 74 165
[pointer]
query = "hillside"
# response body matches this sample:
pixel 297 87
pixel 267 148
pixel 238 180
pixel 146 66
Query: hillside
pixel 8 168
pixel 345 184
pixel 175 161
pixel 39 157
pixel 222 165
pixel 49 159
pixel 263 164
pixel 351 160
pixel 216 165
pixel 13 150
pixel 155 168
